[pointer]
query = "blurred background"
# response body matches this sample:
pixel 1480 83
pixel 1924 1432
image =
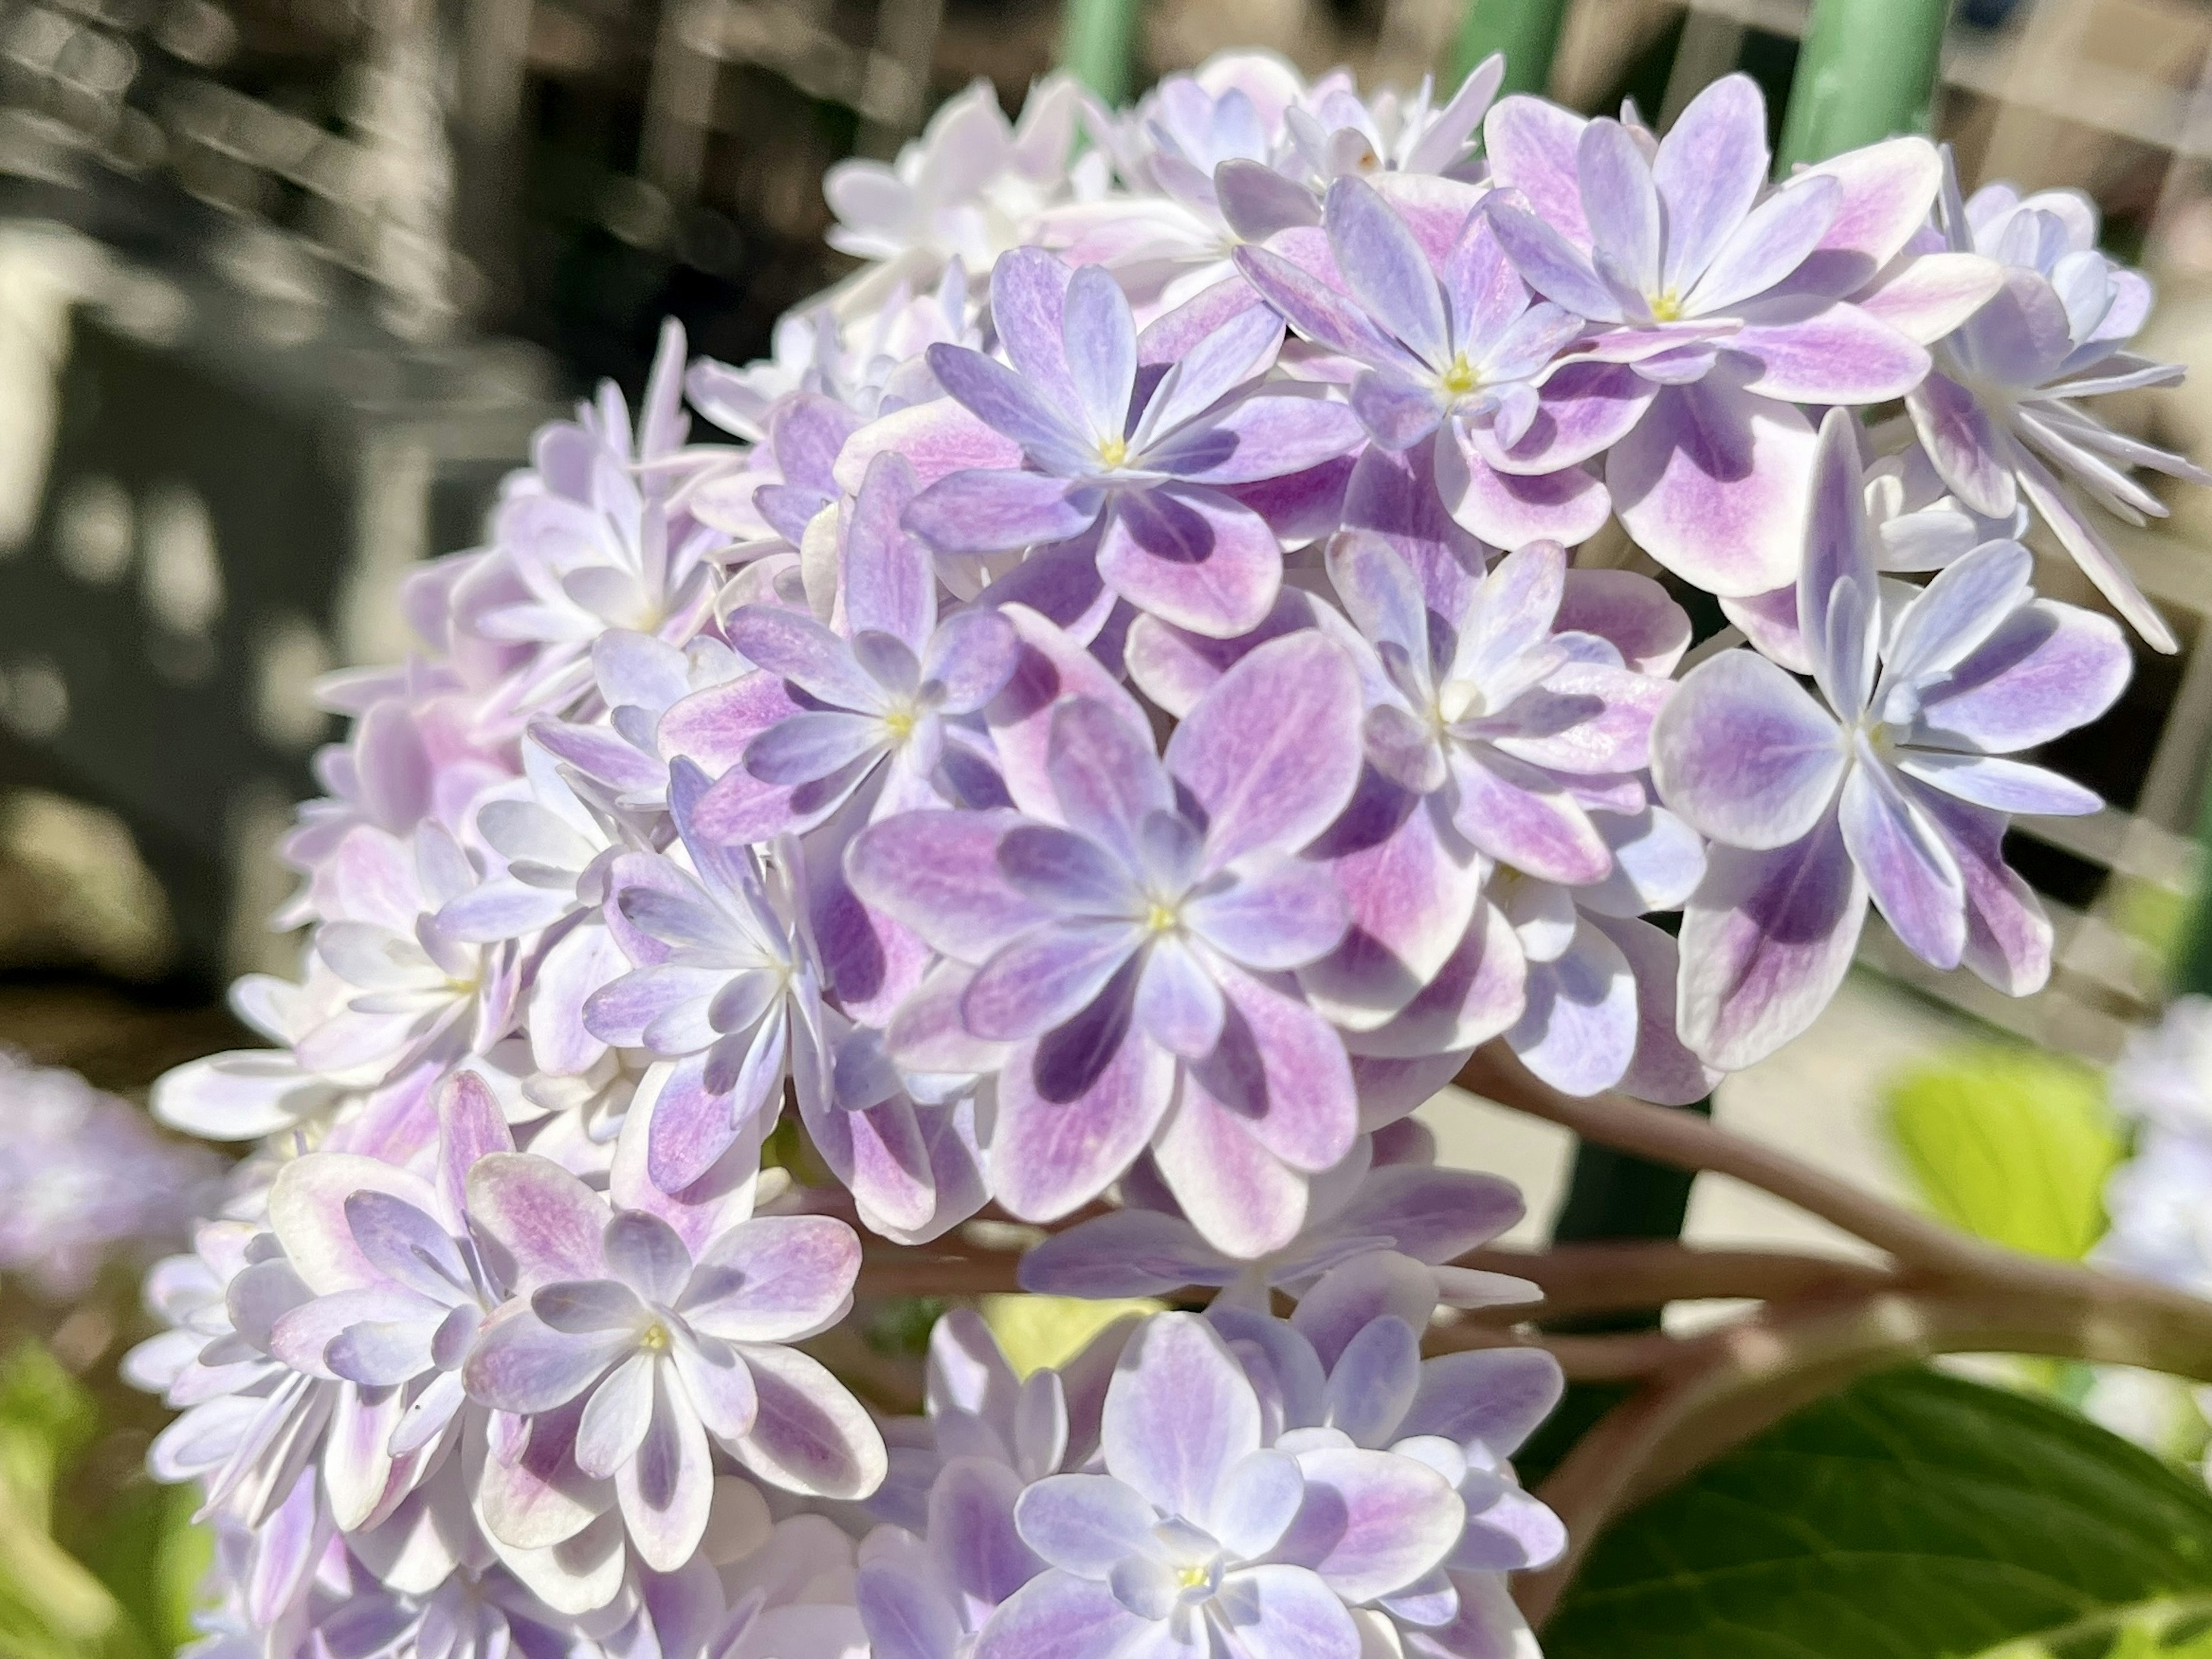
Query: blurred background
pixel 285 285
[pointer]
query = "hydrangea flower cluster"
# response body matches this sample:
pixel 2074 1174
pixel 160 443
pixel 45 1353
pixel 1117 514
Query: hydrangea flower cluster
pixel 1105 725
pixel 87 1181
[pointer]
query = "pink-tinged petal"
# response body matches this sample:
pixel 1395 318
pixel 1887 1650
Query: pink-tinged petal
pixel 1270 435
pixel 1281 1074
pixel 1709 169
pixel 1965 444
pixel 1373 1381
pixel 1886 191
pixel 1057 1615
pixel 1075 1109
pixel 1277 916
pixel 972 1527
pixel 307 1212
pixel 1122 1252
pixel 1478 993
pixel 1101 344
pixel 2003 786
pixel 1320 313
pixel 1048 429
pixel 1578 1028
pixel 1765 941
pixel 520 1363
pixel 2047 669
pixel 811 1435
pixel 1768 246
pixel 540 1223
pixel 1513 509
pixel 1396 413
pixel 1532 144
pixel 1372 1523
pixel 1491 1398
pixel 1630 611
pixel 616 1418
pixel 1837 595
pixel 1908 869
pixel 1272 754
pixel 1192 556
pixel 1620 204
pixel 1713 484
pixel 538 1497
pixel 1927 295
pixel 1393 497
pixel 937 873
pixel 2008 932
pixel 774 1278
pixel 1524 818
pixel 714 727
pixel 1242 1199
pixel 994 512
pixel 881 1155
pixel 1582 410
pixel 1836 354
pixel 1550 264
pixel 886 581
pixel 1085 1523
pixel 1180 1413
pixel 667 1491
pixel 1191 331
pixel 1384 267
pixel 2098 563
pixel 1288 1610
pixel 1661 1071
pixel 1586 718
pixel 1769 621
pixel 936 438
pixel 970 657
pixel 1028 304
pixel 1744 753
pixel 2022 337
pixel 1051 669
pixel 1177 1004
pixel 1429 1214
pixel 1174 667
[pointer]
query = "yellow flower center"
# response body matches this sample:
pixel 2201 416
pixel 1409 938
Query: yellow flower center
pixel 900 723
pixel 654 1338
pixel 1461 377
pixel 1192 1577
pixel 1160 918
pixel 1113 451
pixel 1667 307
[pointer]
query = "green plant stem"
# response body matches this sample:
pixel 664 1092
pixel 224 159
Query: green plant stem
pixel 1098 45
pixel 1867 70
pixel 1526 31
pixel 2192 966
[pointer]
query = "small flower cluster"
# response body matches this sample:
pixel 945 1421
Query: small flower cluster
pixel 87 1181
pixel 1111 715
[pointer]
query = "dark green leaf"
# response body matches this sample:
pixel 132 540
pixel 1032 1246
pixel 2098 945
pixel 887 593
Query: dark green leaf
pixel 1911 1516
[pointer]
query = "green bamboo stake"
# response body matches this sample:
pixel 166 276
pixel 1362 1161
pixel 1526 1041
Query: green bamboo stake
pixel 1097 43
pixel 2192 963
pixel 1526 31
pixel 1866 71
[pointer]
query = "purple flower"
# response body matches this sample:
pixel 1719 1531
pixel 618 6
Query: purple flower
pixel 1457 339
pixel 399 1291
pixel 1198 1533
pixel 1711 478
pixel 1130 938
pixel 726 985
pixel 1148 461
pixel 872 707
pixel 1998 413
pixel 663 1350
pixel 1892 781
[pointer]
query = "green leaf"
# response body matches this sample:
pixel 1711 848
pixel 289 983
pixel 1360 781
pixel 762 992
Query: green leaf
pixel 1912 1515
pixel 2011 1144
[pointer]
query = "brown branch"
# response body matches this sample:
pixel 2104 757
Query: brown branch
pixel 1614 1278
pixel 1687 1140
pixel 1727 1386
